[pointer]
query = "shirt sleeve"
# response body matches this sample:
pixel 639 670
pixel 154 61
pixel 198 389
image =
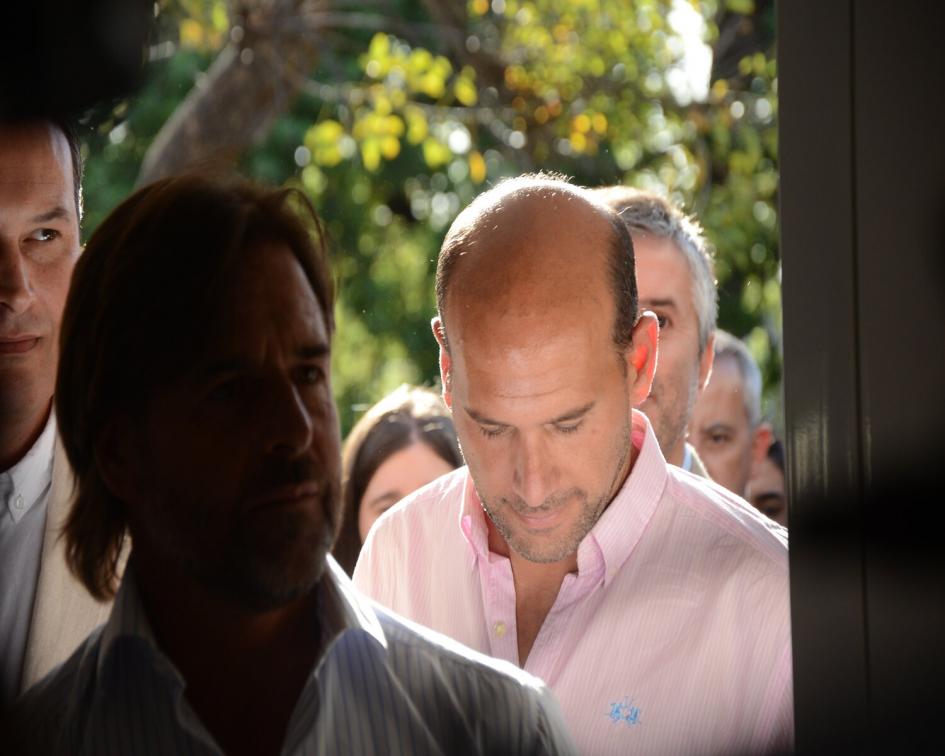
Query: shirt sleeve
pixel 371 574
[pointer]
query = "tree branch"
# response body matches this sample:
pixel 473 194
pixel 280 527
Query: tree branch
pixel 253 80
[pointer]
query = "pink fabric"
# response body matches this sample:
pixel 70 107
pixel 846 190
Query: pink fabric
pixel 673 637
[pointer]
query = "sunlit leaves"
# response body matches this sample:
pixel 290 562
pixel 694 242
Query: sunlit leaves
pixel 203 25
pixel 417 70
pixel 394 139
pixel 327 143
pixel 435 153
pixel 465 87
pixel 477 167
pixel 378 133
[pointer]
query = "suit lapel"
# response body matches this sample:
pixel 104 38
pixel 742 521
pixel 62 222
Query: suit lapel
pixel 64 613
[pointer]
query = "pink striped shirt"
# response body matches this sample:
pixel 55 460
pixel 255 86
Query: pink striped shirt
pixel 673 637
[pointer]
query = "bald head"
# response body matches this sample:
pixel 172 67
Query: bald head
pixel 536 245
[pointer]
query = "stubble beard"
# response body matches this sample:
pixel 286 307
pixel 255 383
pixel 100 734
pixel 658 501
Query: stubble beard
pixel 284 562
pixel 670 420
pixel 546 550
pixel 260 568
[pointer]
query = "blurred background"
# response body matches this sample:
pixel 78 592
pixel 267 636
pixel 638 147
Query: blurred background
pixel 392 115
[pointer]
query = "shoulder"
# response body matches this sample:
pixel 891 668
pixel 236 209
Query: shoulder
pixel 47 718
pixel 498 701
pixel 724 516
pixel 429 509
pixel 451 656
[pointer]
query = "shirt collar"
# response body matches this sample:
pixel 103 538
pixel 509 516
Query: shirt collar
pixel 352 610
pixel 472 520
pixel 127 620
pixel 619 528
pixel 342 608
pixel 32 475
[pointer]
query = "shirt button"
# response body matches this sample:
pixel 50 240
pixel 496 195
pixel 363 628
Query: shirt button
pixel 499 628
pixel 18 501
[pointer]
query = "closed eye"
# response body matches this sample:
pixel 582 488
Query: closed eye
pixel 491 431
pixel 567 427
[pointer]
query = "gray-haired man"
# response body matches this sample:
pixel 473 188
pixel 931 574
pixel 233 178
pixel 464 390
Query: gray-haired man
pixel 726 426
pixel 675 280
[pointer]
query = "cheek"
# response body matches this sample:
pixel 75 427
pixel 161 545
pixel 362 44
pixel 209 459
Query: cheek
pixel 489 460
pixel 199 462
pixel 51 284
pixel 366 519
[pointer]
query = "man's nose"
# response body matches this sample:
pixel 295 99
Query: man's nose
pixel 289 421
pixel 533 475
pixel 15 291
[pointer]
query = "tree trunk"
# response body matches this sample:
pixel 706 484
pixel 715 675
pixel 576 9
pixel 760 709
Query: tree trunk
pixel 274 46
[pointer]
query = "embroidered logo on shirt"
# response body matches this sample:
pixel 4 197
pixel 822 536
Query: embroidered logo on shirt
pixel 624 711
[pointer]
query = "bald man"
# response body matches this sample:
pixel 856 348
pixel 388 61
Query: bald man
pixel 654 604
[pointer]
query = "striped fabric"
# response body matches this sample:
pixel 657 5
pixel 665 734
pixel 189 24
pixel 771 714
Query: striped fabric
pixel 382 687
pixel 673 637
pixel 24 494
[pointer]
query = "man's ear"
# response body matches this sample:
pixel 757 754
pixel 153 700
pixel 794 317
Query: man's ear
pixel 764 435
pixel 116 460
pixel 706 361
pixel 642 357
pixel 446 362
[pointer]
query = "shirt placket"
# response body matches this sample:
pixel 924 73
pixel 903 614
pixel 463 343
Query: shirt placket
pixel 566 613
pixel 498 599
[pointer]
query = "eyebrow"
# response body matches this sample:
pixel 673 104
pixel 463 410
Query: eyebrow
pixel 658 303
pixel 391 496
pixel 718 427
pixel 569 415
pixel 236 364
pixel 314 351
pixel 769 496
pixel 57 213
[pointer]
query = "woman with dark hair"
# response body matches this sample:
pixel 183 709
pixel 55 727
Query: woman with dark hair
pixel 402 443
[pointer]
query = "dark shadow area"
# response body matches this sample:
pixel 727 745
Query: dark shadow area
pixel 59 57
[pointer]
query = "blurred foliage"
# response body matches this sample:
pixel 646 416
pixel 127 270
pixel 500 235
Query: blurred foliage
pixel 396 132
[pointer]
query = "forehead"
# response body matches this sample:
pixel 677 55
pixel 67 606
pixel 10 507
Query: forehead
pixel 35 166
pixel 769 475
pixel 529 371
pixel 723 398
pixel 266 297
pixel 662 270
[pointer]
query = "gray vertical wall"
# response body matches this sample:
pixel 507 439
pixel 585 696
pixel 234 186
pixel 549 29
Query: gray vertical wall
pixel 862 156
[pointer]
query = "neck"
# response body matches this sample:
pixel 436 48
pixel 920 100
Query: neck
pixel 676 455
pixel 536 588
pixel 230 656
pixel 190 621
pixel 21 426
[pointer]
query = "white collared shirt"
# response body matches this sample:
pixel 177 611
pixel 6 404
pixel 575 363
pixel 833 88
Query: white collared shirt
pixel 381 687
pixel 24 491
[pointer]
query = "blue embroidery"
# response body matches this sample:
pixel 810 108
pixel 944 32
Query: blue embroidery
pixel 625 711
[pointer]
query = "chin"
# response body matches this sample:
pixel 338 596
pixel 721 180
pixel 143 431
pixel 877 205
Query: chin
pixel 282 562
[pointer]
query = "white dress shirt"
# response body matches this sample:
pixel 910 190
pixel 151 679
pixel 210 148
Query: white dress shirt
pixel 24 490
pixel 382 687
